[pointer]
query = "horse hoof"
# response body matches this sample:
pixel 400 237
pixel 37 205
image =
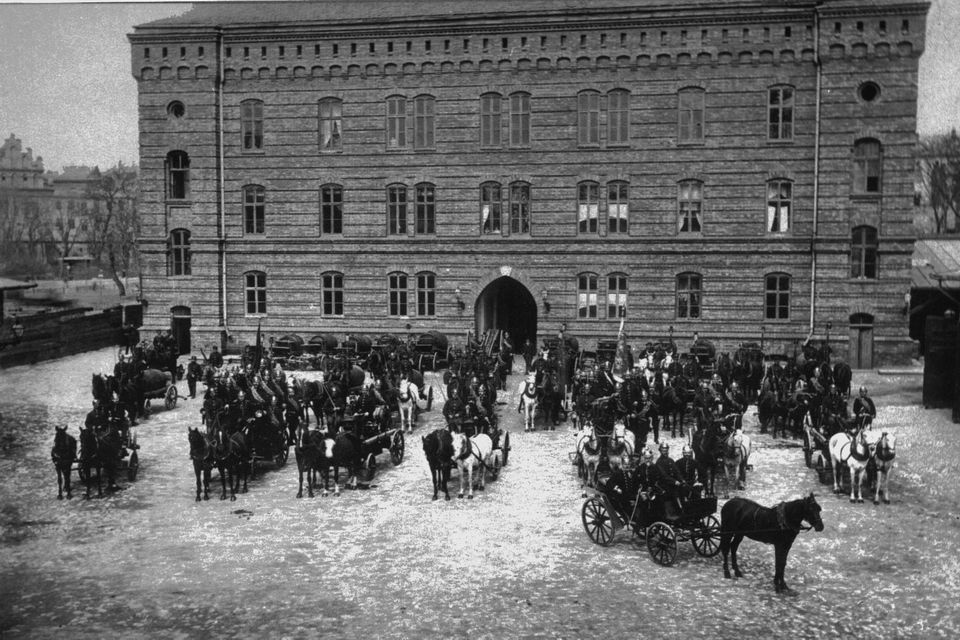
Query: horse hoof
pixel 885 501
pixel 59 497
pixel 859 500
pixel 299 495
pixel 447 498
pixel 469 497
pixel 233 498
pixel 435 497
pixel 198 498
pixel 460 495
pixel 876 502
pixel 206 497
pixel 852 501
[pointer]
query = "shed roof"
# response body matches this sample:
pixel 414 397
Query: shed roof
pixel 7 284
pixel 936 261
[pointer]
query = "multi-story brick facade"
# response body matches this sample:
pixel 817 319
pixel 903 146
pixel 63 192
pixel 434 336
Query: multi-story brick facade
pixel 740 169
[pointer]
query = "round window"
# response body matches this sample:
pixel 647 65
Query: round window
pixel 869 91
pixel 176 109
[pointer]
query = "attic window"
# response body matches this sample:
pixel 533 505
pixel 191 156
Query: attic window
pixel 164 52
pixel 199 52
pixel 353 48
pixel 316 49
pixel 183 52
pixel 299 50
pixel 146 53
pixel 176 109
pixel 883 27
pixel 446 46
pixel 282 51
pixel 263 52
pixel 787 32
pixel 229 52
pixel 860 26
pixel 373 47
pixel 409 46
pixel 905 27
pixel 505 44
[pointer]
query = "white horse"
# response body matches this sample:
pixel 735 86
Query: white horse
pixel 736 453
pixel 528 404
pixel 588 456
pixel 855 453
pixel 408 398
pixel 469 454
pixel 885 450
pixel 622 446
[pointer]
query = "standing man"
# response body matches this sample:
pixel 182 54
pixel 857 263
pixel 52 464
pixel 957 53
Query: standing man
pixel 529 351
pixel 864 410
pixel 215 359
pixel 507 346
pixel 194 373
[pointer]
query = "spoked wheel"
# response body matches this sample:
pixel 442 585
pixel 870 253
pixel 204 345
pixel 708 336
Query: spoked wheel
pixel 133 465
pixel 823 471
pixel 170 397
pixel 597 522
pixel 807 451
pixel 495 467
pixel 282 456
pixel 397 448
pixel 662 543
pixel 706 537
pixel 505 447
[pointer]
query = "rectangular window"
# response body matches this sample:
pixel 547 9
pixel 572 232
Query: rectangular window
pixel 779 199
pixel 254 221
pixel 866 167
pixel 180 253
pixel 780 113
pixel 690 205
pixel 178 175
pixel 397 210
pixel 491 106
pixel 426 295
pixel 398 294
pixel 424 111
pixel 490 208
pixel 618 207
pixel 777 298
pixel 331 124
pixel 426 209
pixel 251 125
pixel 282 51
pixel 617 296
pixel 691 115
pixel 520 120
pixel 587 296
pixel 519 208
pixel 396 123
pixel 863 254
pixel 255 291
pixel 588 123
pixel 618 118
pixel 331 210
pixel 332 292
pixel 588 207
pixel 688 295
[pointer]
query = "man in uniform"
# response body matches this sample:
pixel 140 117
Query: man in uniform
pixel 584 406
pixel 734 403
pixel 647 477
pixel 671 478
pixel 529 352
pixel 194 373
pixel 690 471
pixel 215 359
pixel 333 408
pixel 864 410
pixel 454 410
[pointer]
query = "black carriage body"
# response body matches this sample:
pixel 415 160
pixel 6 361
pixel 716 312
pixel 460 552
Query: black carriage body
pixel 431 351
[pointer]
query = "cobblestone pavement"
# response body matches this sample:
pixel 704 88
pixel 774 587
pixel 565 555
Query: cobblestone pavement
pixel 390 563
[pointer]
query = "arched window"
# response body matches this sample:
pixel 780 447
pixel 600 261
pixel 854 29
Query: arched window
pixel 519 207
pixel 691 114
pixel 617 295
pixel 520 120
pixel 426 294
pixel 331 293
pixel 588 207
pixel 491 208
pixel 618 207
pixel 491 125
pixel 588 118
pixel 255 292
pixel 397 210
pixel 689 296
pixel 867 166
pixel 251 125
pixel 397 289
pixel 424 116
pixel 587 295
pixel 779 205
pixel 863 253
pixel 178 175
pixel 690 206
pixel 618 118
pixel 254 212
pixel 331 209
pixel 331 124
pixel 780 113
pixel 425 209
pixel 777 296
pixel 179 253
pixel 396 122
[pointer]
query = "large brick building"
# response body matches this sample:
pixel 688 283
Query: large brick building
pixel 739 168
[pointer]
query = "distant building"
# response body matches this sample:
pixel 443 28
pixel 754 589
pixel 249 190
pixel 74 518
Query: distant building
pixel 738 168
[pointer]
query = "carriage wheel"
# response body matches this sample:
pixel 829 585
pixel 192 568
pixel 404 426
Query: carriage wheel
pixel 662 543
pixel 822 471
pixel 597 522
pixel 807 450
pixel 505 447
pixel 429 397
pixel 433 363
pixel 397 448
pixel 495 468
pixel 133 466
pixel 706 537
pixel 282 456
pixel 170 397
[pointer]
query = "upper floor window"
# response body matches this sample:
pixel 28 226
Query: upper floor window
pixel 588 207
pixel 331 293
pixel 397 210
pixel 331 209
pixel 426 294
pixel 491 125
pixel 424 113
pixel 178 175
pixel 689 293
pixel 254 216
pixel 491 208
pixel 397 283
pixel 587 295
pixel 867 162
pixel 691 115
pixel 690 206
pixel 618 207
pixel 588 118
pixel 779 205
pixel 618 118
pixel 863 253
pixel 255 292
pixel 179 254
pixel 777 297
pixel 617 295
pixel 396 122
pixel 251 124
pixel 780 113
pixel 519 207
pixel 331 124
pixel 425 212
pixel 520 120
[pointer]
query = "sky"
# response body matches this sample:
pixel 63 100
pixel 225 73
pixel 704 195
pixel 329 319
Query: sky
pixel 67 92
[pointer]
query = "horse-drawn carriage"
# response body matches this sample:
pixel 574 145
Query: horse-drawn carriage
pixel 159 384
pixel 376 434
pixel 268 439
pixel 705 354
pixel 356 348
pixel 606 351
pixel 653 522
pixel 431 351
pixel 287 350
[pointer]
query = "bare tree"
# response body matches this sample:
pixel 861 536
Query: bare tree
pixel 938 175
pixel 116 220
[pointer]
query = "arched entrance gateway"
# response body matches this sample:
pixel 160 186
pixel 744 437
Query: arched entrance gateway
pixel 507 305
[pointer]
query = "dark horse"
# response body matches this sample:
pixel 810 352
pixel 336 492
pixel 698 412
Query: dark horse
pixel 706 449
pixel 102 451
pixel 438 448
pixel 232 455
pixel 777 525
pixel 309 450
pixel 64 453
pixel 201 453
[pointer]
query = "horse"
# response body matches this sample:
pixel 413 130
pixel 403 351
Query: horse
pixel 408 395
pixel 736 453
pixel 777 525
pixel 855 452
pixel 771 408
pixel 201 453
pixel 673 404
pixel 706 443
pixel 438 449
pixel 344 452
pixel 232 454
pixel 621 446
pixel 885 450
pixel 470 454
pixel 100 451
pixel 528 404
pixel 64 454
pixel 309 451
pixel 591 449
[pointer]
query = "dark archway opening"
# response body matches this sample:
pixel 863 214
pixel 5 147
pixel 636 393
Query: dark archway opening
pixel 507 305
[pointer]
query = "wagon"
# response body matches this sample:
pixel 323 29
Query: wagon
pixel 268 440
pixel 606 351
pixel 159 384
pixel 129 460
pixel 431 351
pixel 705 354
pixel 501 442
pixel 357 348
pixel 376 434
pixel 655 525
pixel 287 349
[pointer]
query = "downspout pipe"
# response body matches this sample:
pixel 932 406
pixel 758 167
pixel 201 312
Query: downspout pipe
pixel 221 193
pixel 816 173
